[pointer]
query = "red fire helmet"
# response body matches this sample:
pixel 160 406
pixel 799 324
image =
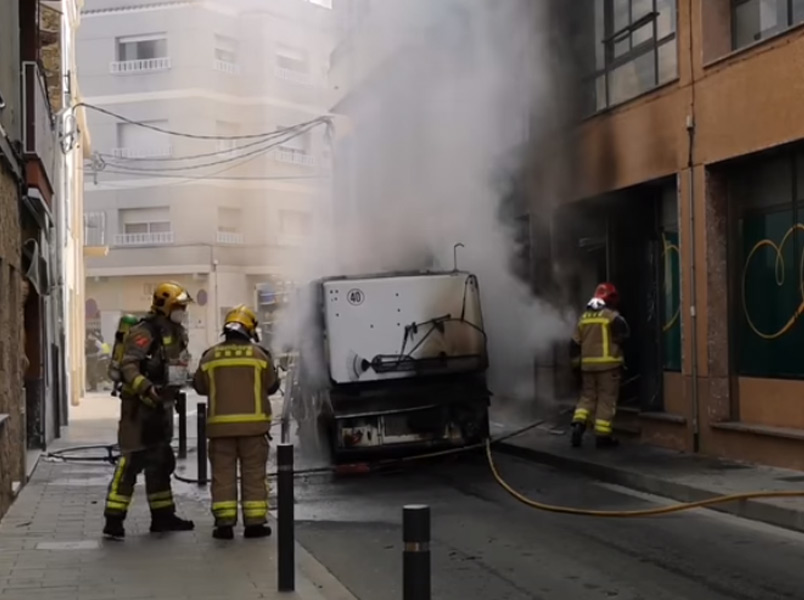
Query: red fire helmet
pixel 608 293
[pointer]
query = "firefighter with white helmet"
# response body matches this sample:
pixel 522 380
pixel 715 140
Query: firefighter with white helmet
pixel 238 375
pixel 597 349
pixel 151 372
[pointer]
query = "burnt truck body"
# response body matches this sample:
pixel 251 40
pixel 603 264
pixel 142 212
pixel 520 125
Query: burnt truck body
pixel 405 357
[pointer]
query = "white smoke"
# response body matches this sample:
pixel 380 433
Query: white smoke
pixel 450 109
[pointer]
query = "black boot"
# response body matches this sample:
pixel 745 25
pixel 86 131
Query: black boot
pixel 162 522
pixel 114 528
pixel 577 434
pixel 223 532
pixel 606 441
pixel 256 531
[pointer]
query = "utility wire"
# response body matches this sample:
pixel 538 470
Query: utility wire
pixel 195 136
pixel 260 150
pixel 207 176
pixel 211 177
pixel 194 156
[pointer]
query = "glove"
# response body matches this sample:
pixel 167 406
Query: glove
pixel 151 397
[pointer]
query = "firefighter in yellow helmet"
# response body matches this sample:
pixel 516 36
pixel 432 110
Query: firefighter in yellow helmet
pixel 238 375
pixel 152 370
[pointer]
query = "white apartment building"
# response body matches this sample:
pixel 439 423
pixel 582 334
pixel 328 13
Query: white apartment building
pixel 224 217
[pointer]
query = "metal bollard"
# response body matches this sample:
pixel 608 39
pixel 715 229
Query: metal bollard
pixel 416 556
pixel 182 410
pixel 286 562
pixel 201 421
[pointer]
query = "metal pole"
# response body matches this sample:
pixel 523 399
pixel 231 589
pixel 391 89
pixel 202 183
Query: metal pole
pixel 201 421
pixel 416 556
pixel 285 534
pixel 182 409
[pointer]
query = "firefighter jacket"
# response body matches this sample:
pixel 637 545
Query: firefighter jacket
pixel 599 336
pixel 238 376
pixel 150 348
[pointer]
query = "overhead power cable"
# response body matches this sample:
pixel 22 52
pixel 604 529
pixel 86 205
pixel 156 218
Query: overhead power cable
pixel 253 153
pixel 212 177
pixel 195 136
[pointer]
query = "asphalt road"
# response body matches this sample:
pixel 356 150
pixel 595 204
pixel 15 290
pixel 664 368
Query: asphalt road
pixel 488 546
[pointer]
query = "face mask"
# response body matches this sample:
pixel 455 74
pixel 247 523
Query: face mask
pixel 177 316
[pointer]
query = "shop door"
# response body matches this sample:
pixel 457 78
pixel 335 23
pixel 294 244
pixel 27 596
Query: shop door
pixel 634 253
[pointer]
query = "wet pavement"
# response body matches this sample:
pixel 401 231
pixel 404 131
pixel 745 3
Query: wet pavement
pixel 487 545
pixel 51 545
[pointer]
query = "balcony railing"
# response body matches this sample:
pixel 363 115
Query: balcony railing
pixel 292 76
pixel 294 156
pixel 143 152
pixel 94 229
pixel 230 237
pixel 142 65
pixel 144 239
pixel 224 66
pixel 38 134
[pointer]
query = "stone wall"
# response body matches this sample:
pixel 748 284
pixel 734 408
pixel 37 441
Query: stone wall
pixel 50 54
pixel 12 441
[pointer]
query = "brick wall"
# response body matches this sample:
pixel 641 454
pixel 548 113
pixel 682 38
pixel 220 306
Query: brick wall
pixel 12 453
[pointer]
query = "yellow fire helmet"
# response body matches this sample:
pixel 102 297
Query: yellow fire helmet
pixel 241 318
pixel 169 295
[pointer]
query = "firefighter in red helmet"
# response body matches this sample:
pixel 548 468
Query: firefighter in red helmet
pixel 596 348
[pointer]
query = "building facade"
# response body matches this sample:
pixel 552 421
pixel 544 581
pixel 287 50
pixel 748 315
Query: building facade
pixel 33 391
pixel 689 162
pixel 76 148
pixel 682 187
pixel 194 184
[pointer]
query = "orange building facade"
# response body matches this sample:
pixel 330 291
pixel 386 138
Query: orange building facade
pixel 693 175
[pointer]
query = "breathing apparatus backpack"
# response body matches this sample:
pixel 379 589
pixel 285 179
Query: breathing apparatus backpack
pixel 124 326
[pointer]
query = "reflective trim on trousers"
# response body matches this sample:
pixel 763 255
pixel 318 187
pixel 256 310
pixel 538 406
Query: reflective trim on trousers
pixel 159 500
pixel 581 415
pixel 603 427
pixel 115 502
pixel 225 513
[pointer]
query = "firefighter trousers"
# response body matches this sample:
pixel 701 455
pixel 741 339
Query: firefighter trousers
pixel 158 462
pixel 600 391
pixel 252 454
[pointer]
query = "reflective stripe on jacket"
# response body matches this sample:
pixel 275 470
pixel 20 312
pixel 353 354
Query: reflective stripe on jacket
pixel 237 378
pixel 600 343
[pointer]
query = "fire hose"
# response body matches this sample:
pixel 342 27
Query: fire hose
pixel 647 512
pixel 111 458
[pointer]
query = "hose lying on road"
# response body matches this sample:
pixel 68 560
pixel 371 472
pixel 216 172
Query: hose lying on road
pixel 647 512
pixel 111 458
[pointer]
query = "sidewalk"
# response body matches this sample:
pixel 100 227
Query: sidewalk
pixel 676 475
pixel 51 545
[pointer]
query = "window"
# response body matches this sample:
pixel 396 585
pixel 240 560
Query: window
pixel 634 49
pixel 229 225
pixel 155 227
pixel 754 20
pixel 227 130
pixel 142 47
pixel 136 141
pixel 142 226
pixel 291 59
pixel 298 143
pixel 225 49
pixel 294 223
pixel 670 294
pixel 769 196
pixel 94 229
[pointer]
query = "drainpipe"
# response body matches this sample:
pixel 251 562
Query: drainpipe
pixel 693 283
